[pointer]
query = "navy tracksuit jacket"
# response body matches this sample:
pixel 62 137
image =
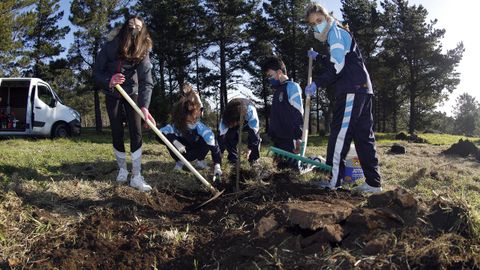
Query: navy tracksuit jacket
pixel 352 115
pixel 198 141
pixel 228 138
pixel 286 115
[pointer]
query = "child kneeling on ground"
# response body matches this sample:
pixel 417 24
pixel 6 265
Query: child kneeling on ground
pixel 190 136
pixel 230 125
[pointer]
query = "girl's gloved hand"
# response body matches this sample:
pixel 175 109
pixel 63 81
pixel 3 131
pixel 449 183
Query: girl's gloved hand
pixel 217 170
pixel 311 89
pixel 180 147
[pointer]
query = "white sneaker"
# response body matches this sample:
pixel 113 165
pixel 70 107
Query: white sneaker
pixel 139 183
pixel 366 188
pixel 122 176
pixel 178 166
pixel 201 165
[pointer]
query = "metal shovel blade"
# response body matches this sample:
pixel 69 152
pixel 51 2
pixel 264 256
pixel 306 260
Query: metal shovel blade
pixel 218 194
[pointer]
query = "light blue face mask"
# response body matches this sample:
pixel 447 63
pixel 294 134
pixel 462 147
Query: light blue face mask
pixel 318 28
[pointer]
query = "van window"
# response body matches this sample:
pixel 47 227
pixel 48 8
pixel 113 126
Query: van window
pixel 45 95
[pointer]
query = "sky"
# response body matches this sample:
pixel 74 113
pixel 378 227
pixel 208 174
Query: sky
pixel 457 17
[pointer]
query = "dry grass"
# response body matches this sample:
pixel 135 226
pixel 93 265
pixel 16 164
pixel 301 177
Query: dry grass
pixel 42 182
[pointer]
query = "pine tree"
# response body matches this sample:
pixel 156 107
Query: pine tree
pixel 93 19
pixel 15 22
pixel 43 40
pixel 260 36
pixel 427 72
pixel 226 20
pixel 466 114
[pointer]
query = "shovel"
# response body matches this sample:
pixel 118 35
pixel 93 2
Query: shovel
pixel 213 190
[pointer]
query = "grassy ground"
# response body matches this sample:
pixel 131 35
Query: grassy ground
pixel 54 172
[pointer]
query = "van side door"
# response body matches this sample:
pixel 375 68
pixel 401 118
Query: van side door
pixel 44 110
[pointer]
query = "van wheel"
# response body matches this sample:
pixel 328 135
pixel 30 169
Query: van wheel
pixel 60 131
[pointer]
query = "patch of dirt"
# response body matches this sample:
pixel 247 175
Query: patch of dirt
pixel 278 225
pixel 463 148
pixel 410 138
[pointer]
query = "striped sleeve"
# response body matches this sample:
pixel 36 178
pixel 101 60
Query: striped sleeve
pixel 295 96
pixel 206 133
pixel 222 128
pixel 168 129
pixel 252 118
pixel 339 42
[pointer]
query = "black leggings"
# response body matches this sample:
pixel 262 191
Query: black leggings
pixel 134 121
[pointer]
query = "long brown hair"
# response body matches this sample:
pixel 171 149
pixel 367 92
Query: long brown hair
pixel 185 107
pixel 134 49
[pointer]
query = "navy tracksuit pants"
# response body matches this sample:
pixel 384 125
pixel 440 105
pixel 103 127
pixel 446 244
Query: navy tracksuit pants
pixel 353 120
pixel 197 150
pixel 229 142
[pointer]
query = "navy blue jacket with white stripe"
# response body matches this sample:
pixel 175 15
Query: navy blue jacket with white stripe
pixel 345 69
pixel 200 131
pixel 251 119
pixel 286 114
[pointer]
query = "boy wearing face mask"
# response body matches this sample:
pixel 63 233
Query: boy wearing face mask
pixel 352 114
pixel 190 136
pixel 286 114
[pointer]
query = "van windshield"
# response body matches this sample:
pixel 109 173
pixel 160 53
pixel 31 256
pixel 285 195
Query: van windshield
pixel 57 97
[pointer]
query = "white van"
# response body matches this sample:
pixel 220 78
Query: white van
pixel 29 106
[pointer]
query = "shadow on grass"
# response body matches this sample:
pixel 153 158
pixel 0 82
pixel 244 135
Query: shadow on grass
pixel 105 136
pixel 14 172
pixel 126 204
pixel 126 201
pixel 87 171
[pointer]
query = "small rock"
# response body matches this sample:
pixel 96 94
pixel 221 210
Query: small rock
pixel 265 226
pixel 405 199
pixel 402 136
pixel 377 246
pixel 316 214
pixel 329 234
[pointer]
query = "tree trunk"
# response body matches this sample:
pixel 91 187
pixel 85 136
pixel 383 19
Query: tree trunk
pixel 413 115
pixel 395 112
pixel 294 44
pixel 266 109
pixel 318 114
pixel 96 97
pixel 170 86
pixel 197 81
pixel 162 76
pixel 384 115
pixel 98 112
pixel 223 77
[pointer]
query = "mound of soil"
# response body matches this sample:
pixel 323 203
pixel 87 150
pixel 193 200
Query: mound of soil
pixel 281 225
pixel 410 138
pixel 463 149
pixel 398 149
